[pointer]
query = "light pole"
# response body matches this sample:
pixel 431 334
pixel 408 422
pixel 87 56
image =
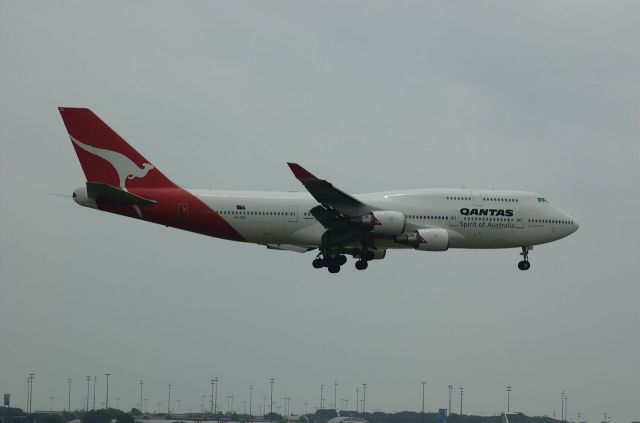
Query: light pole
pixel 169 402
pixel 212 381
pixel 117 403
pixel 364 397
pixel 141 403
pixel 178 401
pixel 461 390
pixel 562 406
pixel 28 393
pixel 264 406
pixel 250 398
pixel 450 393
pixel 215 400
pixel 335 395
pixel 95 379
pixel 69 400
pixel 508 392
pixel 271 399
pixel 31 377
pixel 422 396
pixel 357 400
pixel 88 383
pixel 106 402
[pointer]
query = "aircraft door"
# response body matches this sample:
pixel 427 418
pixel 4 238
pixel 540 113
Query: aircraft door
pixel 519 220
pixel 453 218
pixel 477 198
pixel 293 214
pixel 183 213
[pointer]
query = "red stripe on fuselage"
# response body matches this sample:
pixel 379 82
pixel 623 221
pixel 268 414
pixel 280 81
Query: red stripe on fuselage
pixel 178 208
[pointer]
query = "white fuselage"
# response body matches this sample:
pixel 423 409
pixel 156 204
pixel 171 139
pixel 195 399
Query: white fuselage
pixel 472 218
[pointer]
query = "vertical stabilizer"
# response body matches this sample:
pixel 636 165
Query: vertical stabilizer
pixel 107 158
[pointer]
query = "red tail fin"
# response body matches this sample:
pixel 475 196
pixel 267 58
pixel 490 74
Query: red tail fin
pixel 107 158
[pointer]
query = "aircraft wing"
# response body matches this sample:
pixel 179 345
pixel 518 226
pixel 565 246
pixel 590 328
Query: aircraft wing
pixel 337 210
pixel 323 191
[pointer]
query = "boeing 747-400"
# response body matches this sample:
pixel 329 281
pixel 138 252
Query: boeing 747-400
pixel 335 223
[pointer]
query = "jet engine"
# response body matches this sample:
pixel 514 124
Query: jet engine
pixel 431 239
pixel 382 222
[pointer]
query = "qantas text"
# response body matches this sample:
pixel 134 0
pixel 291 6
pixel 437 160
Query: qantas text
pixel 486 212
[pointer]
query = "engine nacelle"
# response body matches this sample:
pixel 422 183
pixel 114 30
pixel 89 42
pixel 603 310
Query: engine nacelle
pixel 432 239
pixel 378 254
pixel 382 222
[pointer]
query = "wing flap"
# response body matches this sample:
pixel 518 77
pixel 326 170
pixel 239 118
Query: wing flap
pixel 289 247
pixel 327 216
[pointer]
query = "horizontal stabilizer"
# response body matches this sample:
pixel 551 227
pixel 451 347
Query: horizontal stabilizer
pixel 110 194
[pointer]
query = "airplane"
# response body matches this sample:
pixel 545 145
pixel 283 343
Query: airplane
pixel 335 223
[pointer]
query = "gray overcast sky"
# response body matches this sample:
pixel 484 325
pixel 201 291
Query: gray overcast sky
pixel 540 96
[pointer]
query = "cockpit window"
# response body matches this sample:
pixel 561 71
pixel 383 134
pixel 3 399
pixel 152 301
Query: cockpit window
pixel 542 200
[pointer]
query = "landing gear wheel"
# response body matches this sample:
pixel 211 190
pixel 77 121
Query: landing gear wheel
pixel 361 264
pixel 341 259
pixel 524 265
pixel 334 268
pixel 318 263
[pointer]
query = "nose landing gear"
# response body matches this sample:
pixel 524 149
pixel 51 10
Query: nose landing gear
pixel 524 264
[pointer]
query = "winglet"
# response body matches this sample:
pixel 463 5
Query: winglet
pixel 300 172
pixel 321 190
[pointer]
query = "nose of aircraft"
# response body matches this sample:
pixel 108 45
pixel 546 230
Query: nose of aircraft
pixel 573 226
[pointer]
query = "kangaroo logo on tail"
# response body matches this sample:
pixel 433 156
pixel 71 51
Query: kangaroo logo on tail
pixel 125 167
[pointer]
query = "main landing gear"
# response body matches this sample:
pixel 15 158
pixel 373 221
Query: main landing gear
pixel 333 261
pixel 524 264
pixel 363 263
